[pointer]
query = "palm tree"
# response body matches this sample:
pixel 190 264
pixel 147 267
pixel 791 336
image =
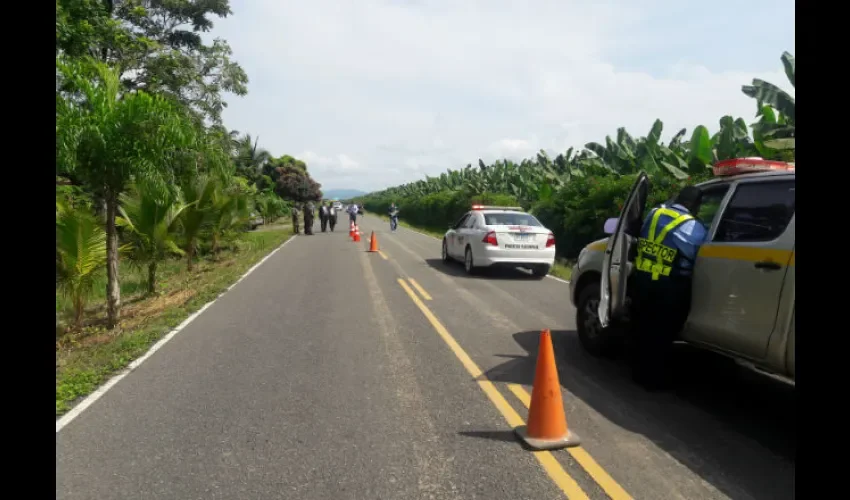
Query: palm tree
pixel 196 217
pixel 80 255
pixel 250 159
pixel 108 139
pixel 230 213
pixel 152 220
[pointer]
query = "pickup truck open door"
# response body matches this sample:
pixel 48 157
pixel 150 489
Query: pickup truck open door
pixel 615 263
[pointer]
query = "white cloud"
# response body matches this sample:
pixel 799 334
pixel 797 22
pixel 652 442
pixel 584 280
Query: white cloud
pixel 377 92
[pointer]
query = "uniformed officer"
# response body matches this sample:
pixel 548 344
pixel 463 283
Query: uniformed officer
pixel 332 216
pixel 309 213
pixel 666 251
pixel 294 212
pixel 323 216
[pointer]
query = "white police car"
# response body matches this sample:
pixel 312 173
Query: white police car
pixel 489 236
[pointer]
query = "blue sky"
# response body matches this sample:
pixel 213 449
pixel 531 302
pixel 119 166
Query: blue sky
pixel 375 93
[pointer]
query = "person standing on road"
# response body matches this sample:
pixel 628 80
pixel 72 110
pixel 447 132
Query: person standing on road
pixel 294 212
pixel 309 213
pixel 352 213
pixel 667 248
pixel 393 211
pixel 323 215
pixel 332 217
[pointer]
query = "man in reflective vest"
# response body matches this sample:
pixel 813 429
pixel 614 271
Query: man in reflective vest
pixel 666 251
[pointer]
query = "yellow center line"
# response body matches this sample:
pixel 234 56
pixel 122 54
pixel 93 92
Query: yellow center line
pixel 605 481
pixel 419 289
pixel 549 463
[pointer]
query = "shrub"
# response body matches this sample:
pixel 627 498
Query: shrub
pixel 577 212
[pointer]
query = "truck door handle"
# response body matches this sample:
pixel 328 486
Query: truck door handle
pixel 768 265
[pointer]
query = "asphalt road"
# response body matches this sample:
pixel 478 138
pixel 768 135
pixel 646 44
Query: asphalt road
pixel 328 374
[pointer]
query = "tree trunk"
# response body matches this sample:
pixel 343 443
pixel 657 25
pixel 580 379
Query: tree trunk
pixel 113 289
pixel 78 310
pixel 190 255
pixel 152 277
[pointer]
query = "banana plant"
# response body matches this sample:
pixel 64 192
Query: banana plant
pixel 775 130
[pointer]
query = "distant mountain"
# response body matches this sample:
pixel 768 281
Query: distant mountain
pixel 342 194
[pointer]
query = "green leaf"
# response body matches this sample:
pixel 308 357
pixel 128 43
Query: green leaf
pixel 780 144
pixel 701 151
pixel 771 95
pixel 677 139
pixel 677 173
pixel 654 136
pixel 790 66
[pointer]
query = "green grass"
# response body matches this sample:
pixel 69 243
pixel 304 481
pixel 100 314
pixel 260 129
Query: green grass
pixel 88 357
pixel 562 269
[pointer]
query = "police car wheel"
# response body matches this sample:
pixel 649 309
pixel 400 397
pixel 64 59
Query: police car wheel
pixel 540 272
pixel 468 262
pixel 597 341
pixel 445 254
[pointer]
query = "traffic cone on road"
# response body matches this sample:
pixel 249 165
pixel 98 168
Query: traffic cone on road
pixel 373 242
pixel 547 423
pixel 356 234
pixel 351 229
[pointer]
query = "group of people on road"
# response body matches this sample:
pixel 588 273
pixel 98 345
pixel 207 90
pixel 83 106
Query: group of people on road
pixel 328 216
pixel 326 212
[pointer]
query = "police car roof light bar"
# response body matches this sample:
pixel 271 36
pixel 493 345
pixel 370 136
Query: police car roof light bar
pixel 493 207
pixel 738 166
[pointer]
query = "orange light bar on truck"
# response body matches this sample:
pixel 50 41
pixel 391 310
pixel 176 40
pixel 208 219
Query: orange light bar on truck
pixel 750 165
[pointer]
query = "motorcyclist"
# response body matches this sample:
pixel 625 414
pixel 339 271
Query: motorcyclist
pixel 393 212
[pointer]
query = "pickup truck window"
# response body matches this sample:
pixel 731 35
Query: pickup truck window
pixel 711 198
pixel 758 211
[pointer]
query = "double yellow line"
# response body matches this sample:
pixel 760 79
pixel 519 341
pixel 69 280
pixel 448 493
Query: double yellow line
pixel 547 460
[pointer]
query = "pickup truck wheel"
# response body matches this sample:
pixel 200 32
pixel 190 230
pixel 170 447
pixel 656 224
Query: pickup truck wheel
pixel 445 254
pixel 597 341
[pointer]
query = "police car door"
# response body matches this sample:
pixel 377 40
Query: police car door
pixel 452 239
pixel 615 267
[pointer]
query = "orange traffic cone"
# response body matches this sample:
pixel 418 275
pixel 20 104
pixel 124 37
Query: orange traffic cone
pixel 547 424
pixel 356 234
pixel 351 230
pixel 373 242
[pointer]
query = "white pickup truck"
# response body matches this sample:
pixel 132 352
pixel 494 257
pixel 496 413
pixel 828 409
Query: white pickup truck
pixel 744 289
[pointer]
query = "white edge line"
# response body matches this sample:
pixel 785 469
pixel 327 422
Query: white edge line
pixel 100 391
pixel 438 239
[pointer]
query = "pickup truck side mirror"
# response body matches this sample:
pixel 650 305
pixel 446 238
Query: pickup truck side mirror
pixel 610 225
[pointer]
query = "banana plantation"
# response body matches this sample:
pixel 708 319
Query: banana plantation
pixel 574 192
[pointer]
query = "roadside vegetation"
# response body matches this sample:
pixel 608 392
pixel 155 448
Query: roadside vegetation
pixel 576 191
pixel 155 198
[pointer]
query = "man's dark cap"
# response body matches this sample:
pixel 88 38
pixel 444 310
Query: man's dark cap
pixel 689 196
